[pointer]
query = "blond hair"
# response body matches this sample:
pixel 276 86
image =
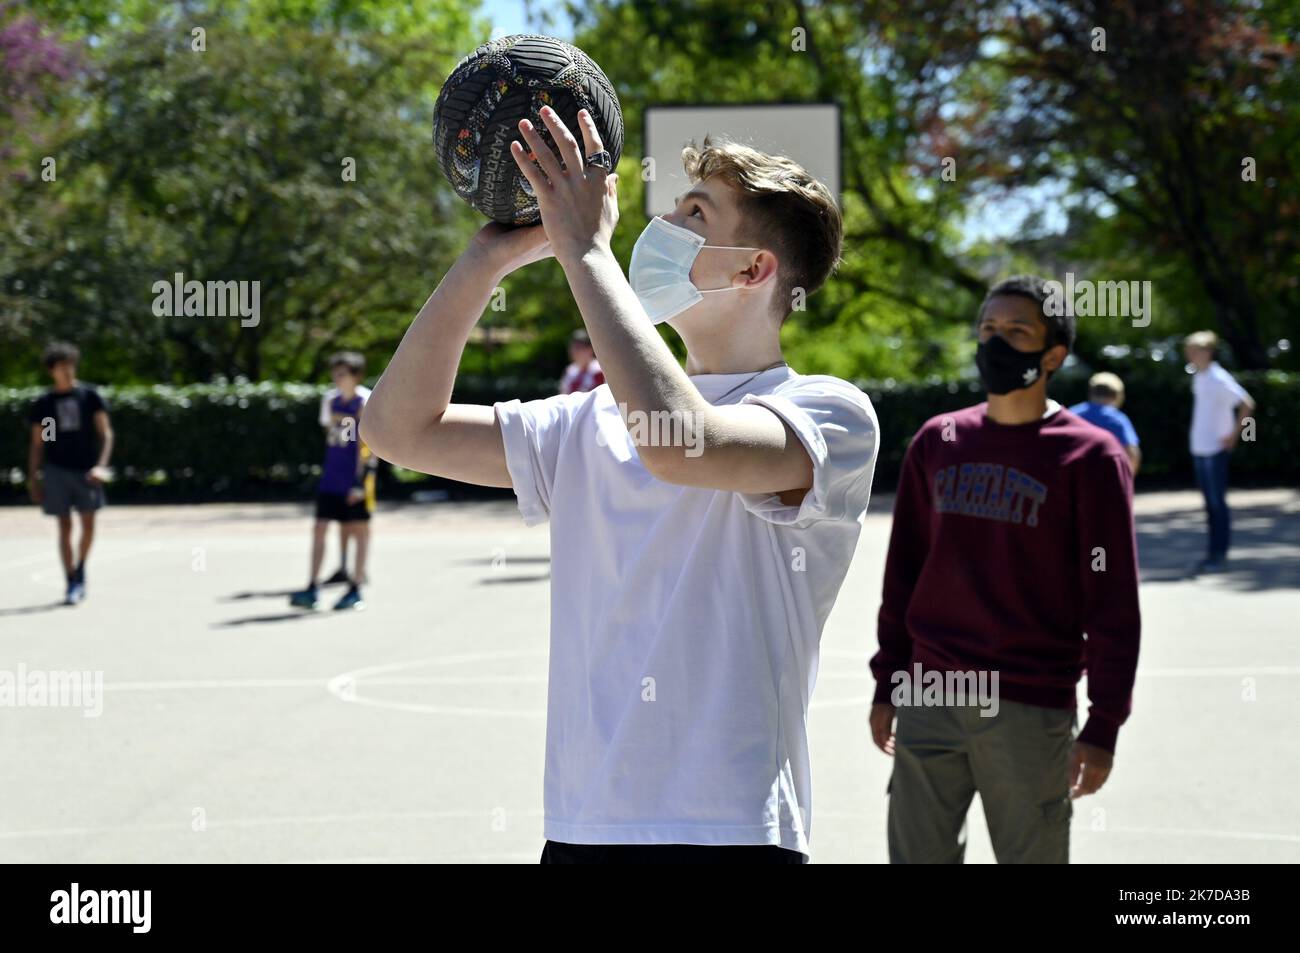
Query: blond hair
pixel 1206 339
pixel 1106 385
pixel 782 208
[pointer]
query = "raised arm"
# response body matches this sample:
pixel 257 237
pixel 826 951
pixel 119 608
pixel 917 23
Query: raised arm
pixel 741 447
pixel 746 447
pixel 409 419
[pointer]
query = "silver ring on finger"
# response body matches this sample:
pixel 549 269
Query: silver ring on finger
pixel 601 160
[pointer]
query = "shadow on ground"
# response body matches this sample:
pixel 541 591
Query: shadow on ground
pixel 1265 551
pixel 297 615
pixel 499 580
pixel 292 615
pixel 30 610
pixel 268 594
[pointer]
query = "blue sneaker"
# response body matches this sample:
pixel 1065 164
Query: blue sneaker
pixel 351 600
pixel 76 593
pixel 306 599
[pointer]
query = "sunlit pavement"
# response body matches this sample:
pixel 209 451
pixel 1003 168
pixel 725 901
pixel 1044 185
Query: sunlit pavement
pixel 236 729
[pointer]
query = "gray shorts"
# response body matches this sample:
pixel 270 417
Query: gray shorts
pixel 1018 761
pixel 65 490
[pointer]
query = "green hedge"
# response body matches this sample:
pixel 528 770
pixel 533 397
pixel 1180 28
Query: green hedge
pixel 262 441
pixel 213 441
pixel 1158 400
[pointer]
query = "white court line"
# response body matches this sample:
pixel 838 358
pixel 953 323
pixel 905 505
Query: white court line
pixel 461 659
pixel 238 823
pixel 1084 826
pixel 1193 832
pixel 517 857
pixel 205 683
pixel 338 687
pixel 344 686
pixel 1142 673
pixel 420 709
pixel 1206 672
pixel 335 683
pixel 460 680
pixel 317 682
pixel 331 681
pixel 246 823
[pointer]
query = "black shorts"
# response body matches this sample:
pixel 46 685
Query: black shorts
pixel 65 490
pixel 335 506
pixel 557 853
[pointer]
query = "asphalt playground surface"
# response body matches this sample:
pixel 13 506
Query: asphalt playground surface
pixel 234 729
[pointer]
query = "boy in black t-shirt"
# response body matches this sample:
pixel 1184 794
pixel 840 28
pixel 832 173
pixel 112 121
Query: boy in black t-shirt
pixel 67 459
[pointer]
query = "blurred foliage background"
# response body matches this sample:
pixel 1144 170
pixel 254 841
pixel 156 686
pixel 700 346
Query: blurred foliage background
pixel 246 440
pixel 1119 164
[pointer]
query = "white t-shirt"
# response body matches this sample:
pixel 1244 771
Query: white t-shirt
pixel 685 621
pixel 327 418
pixel 1216 395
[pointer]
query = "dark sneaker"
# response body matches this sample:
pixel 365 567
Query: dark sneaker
pixel 340 576
pixel 76 593
pixel 1211 565
pixel 305 599
pixel 351 600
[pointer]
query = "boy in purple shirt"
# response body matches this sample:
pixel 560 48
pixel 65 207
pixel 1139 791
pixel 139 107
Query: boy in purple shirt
pixel 1012 538
pixel 347 485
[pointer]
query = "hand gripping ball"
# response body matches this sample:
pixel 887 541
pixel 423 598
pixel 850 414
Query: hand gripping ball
pixel 478 111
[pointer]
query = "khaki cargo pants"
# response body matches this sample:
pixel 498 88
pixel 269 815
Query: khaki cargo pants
pixel 1017 760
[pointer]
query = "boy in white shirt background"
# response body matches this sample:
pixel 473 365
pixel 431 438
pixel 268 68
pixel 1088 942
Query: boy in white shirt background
pixel 702 519
pixel 1220 407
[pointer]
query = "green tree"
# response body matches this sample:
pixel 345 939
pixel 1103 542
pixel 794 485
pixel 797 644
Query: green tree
pixel 901 301
pixel 229 164
pixel 1172 126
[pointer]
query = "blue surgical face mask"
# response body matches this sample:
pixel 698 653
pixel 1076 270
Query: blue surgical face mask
pixel 660 272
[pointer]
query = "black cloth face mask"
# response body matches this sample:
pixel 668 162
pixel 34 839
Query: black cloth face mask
pixel 1004 369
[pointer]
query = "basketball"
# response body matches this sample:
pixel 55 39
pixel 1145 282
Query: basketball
pixel 478 112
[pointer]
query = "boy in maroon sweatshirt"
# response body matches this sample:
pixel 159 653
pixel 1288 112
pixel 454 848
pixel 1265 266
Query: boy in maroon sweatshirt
pixel 1012 568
